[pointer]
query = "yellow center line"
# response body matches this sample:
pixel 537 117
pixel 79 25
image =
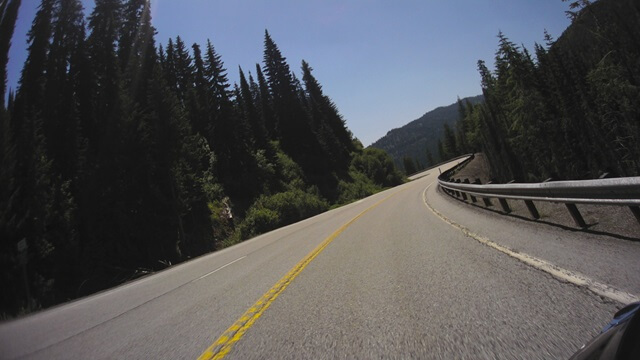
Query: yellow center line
pixel 222 346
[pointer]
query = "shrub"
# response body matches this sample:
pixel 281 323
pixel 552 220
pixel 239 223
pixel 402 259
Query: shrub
pixel 271 212
pixel 378 166
pixel 359 187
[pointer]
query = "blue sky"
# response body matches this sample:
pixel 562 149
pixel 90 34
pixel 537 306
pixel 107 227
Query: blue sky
pixel 384 63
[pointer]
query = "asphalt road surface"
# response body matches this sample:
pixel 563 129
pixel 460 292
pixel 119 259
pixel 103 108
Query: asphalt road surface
pixel 406 273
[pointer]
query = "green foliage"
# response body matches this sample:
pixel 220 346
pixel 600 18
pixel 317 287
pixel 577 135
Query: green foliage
pixel 409 165
pixel 420 136
pixel 257 221
pixel 327 123
pixel 271 212
pixel 572 112
pixel 378 166
pixel 221 218
pixel 430 160
pixel 359 186
pixel 616 99
pixel 119 158
pixel 449 146
pixel 8 16
pixel 291 173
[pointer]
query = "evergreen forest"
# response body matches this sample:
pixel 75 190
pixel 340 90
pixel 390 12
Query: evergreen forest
pixel 120 156
pixel 415 145
pixel 570 110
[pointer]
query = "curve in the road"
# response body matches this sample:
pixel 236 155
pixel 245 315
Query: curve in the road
pixel 394 282
pixel 222 346
pixel 575 278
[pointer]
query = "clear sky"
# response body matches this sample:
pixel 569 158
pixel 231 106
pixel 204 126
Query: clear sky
pixel 384 63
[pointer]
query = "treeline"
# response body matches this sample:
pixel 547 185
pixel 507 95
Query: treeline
pixel 120 157
pixel 572 111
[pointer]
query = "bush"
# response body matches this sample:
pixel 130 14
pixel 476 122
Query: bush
pixel 378 166
pixel 359 187
pixel 257 221
pixel 274 211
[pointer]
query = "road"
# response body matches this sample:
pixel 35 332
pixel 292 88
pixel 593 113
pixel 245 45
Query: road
pixel 401 274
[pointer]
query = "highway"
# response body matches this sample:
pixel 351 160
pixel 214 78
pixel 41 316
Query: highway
pixel 406 273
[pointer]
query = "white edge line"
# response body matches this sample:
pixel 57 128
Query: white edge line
pixel 218 269
pixel 559 273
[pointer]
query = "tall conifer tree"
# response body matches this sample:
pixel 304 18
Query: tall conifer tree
pixel 266 105
pixel 327 120
pixel 295 133
pixel 259 132
pixel 8 16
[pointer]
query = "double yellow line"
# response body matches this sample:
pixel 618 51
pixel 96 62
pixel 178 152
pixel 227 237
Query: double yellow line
pixel 222 346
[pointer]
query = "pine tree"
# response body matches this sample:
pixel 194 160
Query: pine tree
pixel 132 11
pixel 200 105
pixel 9 185
pixel 8 16
pixel 100 198
pixel 255 92
pixel 229 135
pixel 137 51
pixel 296 136
pixel 496 125
pixel 462 128
pixel 252 117
pixel 430 160
pixel 35 199
pixel 441 152
pixel 450 146
pixel 169 67
pixel 104 23
pixel 409 165
pixel 178 163
pixel 266 106
pixel 222 135
pixel 32 77
pixel 61 122
pixel 184 70
pixel 327 121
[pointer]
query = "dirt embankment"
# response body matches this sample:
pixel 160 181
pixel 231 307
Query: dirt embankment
pixel 617 221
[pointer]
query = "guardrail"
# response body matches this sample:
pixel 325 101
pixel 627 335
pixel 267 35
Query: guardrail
pixel 614 191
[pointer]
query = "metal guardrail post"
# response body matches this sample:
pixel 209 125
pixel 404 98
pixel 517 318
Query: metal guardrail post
pixel 531 206
pixel 573 209
pixel 486 200
pixel 532 209
pixel 503 203
pixel 464 194
pixel 575 214
pixel 473 198
pixel 604 191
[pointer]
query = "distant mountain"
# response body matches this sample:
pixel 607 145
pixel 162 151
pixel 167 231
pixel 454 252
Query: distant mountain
pixel 416 137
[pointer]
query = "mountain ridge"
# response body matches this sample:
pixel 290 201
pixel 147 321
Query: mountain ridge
pixel 422 134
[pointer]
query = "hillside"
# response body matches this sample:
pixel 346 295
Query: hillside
pixel 416 137
pixel 569 112
pixel 117 161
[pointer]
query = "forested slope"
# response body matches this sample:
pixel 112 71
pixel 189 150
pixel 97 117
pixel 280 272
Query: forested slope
pixel 120 156
pixel 570 110
pixel 418 140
